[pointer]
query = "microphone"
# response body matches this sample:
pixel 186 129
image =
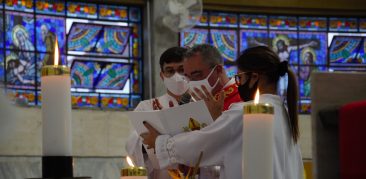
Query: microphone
pixel 185 98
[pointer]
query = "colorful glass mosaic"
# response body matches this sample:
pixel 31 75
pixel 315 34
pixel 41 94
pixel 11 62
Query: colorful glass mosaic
pixel 192 37
pixel 53 7
pixel 1 29
pixel 231 70
pixel 2 66
pixel 313 23
pixel 114 40
pixel 305 107
pixel 114 101
pixel 84 74
pixel 343 24
pixel 305 78
pixel 361 56
pixel 75 9
pixel 20 69
pixel 83 37
pixel 135 14
pixel 285 45
pixel 113 76
pixel 47 29
pixel 137 76
pixel 135 40
pixel 283 22
pixel 85 100
pixel 203 21
pixel 113 12
pixel 23 97
pixel 253 21
pixel 19 5
pixel 343 50
pixel 252 38
pixel 313 48
pixel 226 42
pixel 19 28
pixel 362 26
pixel 223 20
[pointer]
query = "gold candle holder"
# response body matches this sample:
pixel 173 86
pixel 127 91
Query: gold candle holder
pixel 134 171
pixel 55 70
pixel 258 108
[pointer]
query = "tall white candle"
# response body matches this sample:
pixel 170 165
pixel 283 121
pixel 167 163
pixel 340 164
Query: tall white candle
pixel 258 140
pixel 56 109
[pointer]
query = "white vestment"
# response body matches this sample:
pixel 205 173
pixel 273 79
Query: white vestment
pixel 134 142
pixel 221 143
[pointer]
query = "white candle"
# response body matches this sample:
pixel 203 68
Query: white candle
pixel 133 172
pixel 56 109
pixel 258 140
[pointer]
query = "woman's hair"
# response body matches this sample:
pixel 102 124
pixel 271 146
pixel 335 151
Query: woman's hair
pixel 262 59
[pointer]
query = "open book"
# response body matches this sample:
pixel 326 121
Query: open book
pixel 187 117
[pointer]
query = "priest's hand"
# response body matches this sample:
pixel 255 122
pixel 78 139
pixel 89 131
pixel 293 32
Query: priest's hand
pixel 149 138
pixel 214 104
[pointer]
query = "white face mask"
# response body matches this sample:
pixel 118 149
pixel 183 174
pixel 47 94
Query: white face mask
pixel 177 84
pixel 204 82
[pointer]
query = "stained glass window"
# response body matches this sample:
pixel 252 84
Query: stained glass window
pixel 76 9
pixel 113 12
pixel 313 48
pixel 226 42
pixel 343 24
pixel 104 55
pixel 362 26
pixel 52 7
pixel 343 50
pixel 252 38
pixel 203 21
pixel 193 36
pixel 283 22
pixel 361 56
pixel 284 43
pixel 313 23
pixel 223 20
pixel 253 21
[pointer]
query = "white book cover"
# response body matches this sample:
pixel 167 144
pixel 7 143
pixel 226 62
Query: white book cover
pixel 172 121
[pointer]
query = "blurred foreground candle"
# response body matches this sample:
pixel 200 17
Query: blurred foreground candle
pixel 56 109
pixel 257 140
pixel 133 172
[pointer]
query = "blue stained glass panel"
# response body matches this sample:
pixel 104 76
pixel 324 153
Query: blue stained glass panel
pixel 135 40
pixel 362 25
pixel 313 48
pixel 79 9
pixel 84 74
pixel 253 21
pixel 231 70
pixel 343 50
pixel 113 12
pixel 114 76
pixel 135 14
pixel 20 69
pixel 83 37
pixel 223 20
pixel 305 78
pixel 2 67
pixel 19 5
pixel 52 7
pixel 252 38
pixel 19 28
pixel 114 40
pixel 285 45
pixel 1 29
pixel 192 37
pixel 226 42
pixel 361 56
pixel 48 28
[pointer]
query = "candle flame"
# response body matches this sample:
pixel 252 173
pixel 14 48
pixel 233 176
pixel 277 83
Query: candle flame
pixel 56 53
pixel 129 161
pixel 256 98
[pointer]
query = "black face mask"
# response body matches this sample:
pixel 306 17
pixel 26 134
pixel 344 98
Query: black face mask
pixel 246 93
